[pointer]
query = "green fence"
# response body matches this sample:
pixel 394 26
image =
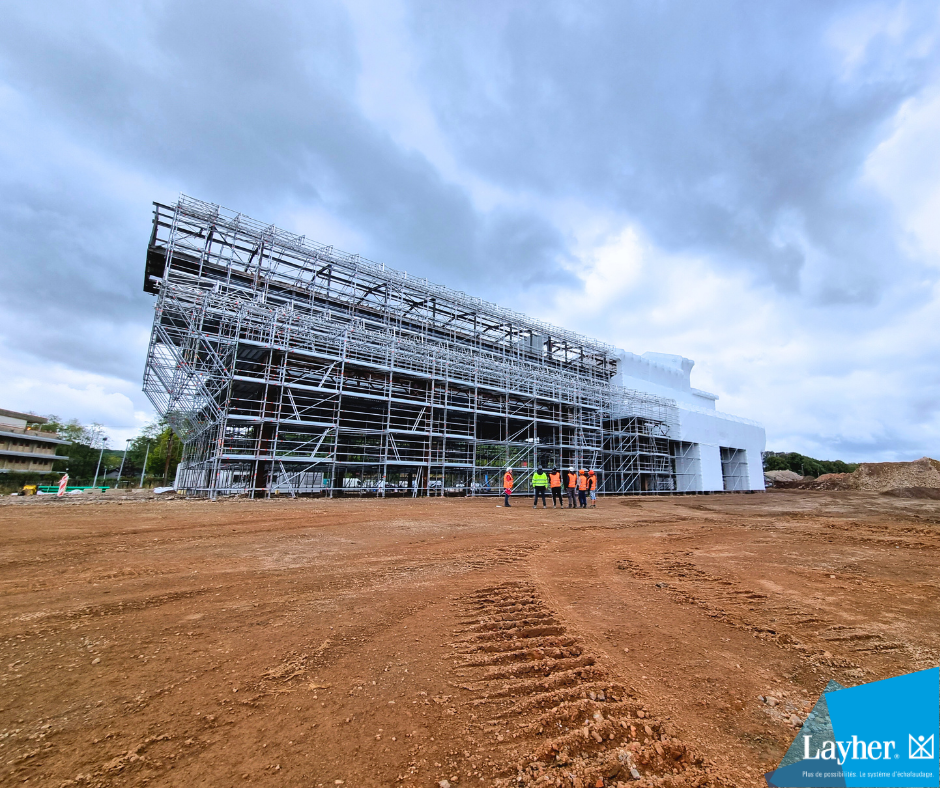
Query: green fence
pixel 54 488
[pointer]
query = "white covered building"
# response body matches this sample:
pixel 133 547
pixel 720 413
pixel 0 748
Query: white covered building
pixel 713 451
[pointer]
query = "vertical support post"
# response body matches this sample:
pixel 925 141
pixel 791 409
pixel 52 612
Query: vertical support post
pixel 339 408
pixel 144 469
pixel 388 409
pixel 123 458
pixel 104 442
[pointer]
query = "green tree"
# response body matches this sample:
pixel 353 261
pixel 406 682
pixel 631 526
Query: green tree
pixel 84 450
pixel 164 455
pixel 803 465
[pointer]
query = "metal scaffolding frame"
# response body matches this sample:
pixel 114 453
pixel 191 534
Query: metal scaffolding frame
pixel 687 463
pixel 734 469
pixel 286 366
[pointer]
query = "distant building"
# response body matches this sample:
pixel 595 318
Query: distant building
pixel 23 447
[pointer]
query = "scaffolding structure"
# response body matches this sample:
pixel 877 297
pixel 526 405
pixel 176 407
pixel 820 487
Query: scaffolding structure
pixel 286 366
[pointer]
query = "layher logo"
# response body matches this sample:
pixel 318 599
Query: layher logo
pixel 917 748
pixel 857 736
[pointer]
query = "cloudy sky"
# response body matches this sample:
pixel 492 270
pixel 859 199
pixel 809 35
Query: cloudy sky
pixel 753 185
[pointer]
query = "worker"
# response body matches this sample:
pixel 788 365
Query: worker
pixel 507 485
pixel 554 481
pixel 540 485
pixel 571 484
pixel 592 488
pixel 582 488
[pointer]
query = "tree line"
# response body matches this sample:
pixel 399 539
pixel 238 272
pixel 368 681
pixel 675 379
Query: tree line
pixel 156 444
pixel 803 465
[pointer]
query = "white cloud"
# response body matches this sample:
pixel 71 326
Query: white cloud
pixel 853 34
pixel 389 95
pixel 30 386
pixel 906 167
pixel 819 382
pixel 716 187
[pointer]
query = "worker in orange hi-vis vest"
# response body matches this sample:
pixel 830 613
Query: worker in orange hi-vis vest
pixel 554 481
pixel 507 486
pixel 582 488
pixel 571 487
pixel 592 488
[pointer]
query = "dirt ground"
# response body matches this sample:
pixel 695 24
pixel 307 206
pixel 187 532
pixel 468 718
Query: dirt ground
pixel 401 642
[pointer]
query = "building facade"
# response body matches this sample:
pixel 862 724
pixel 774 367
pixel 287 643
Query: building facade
pixel 288 367
pixel 24 447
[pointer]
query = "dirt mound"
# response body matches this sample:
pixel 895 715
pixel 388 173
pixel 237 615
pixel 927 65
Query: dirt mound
pixel 880 476
pixel 883 476
pixel 930 493
pixel 833 481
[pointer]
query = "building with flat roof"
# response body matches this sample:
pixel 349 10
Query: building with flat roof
pixel 24 447
pixel 290 367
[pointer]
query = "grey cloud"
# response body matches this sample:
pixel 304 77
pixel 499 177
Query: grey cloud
pixel 254 108
pixel 70 278
pixel 887 445
pixel 713 125
pixel 731 131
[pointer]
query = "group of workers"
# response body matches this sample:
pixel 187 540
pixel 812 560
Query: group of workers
pixel 583 483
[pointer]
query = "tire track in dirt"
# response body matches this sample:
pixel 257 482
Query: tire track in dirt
pixel 558 715
pixel 787 625
pixel 48 619
pixel 497 556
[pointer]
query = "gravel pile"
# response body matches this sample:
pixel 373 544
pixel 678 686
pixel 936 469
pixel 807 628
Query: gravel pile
pixel 884 477
pixel 783 476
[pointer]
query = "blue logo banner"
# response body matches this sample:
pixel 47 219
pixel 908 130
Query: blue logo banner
pixel 880 734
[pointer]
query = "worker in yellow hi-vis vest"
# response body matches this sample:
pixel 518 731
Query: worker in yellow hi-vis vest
pixel 540 485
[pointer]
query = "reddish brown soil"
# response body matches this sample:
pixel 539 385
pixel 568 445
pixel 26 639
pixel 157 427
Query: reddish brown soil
pixel 304 643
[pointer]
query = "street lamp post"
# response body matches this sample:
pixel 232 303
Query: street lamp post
pixel 120 472
pixel 144 469
pixel 104 442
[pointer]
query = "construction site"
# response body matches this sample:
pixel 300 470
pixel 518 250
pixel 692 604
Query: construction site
pixel 289 367
pixel 329 598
